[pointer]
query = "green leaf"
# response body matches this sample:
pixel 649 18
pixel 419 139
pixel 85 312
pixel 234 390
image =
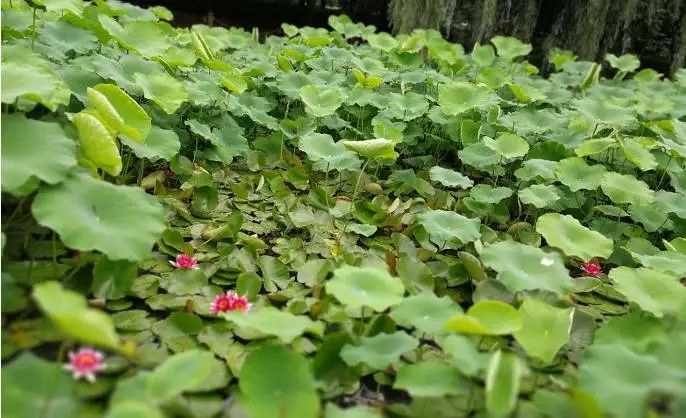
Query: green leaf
pixel 523 267
pixel 464 354
pixel 379 351
pixel 39 389
pixel 652 290
pixel 277 383
pixel 595 146
pixel 269 321
pixel 623 380
pixel 97 143
pixel 545 329
pixel 69 311
pixel 332 411
pixel 181 372
pixel 320 103
pixel 164 90
pixel 357 287
pixel 382 41
pixel 539 195
pixel 625 63
pixel 429 378
pixel 120 111
pixel 487 317
pixel 666 261
pixel 121 221
pixel 146 38
pixel 160 144
pixel 489 194
pixel 33 83
pixel 510 48
pixel 327 154
pixel 508 146
pixel 450 178
pixel 447 227
pixel 34 149
pixel 502 383
pixel 638 154
pixel 567 234
pixel 113 279
pixel 372 148
pixel 577 175
pixel 483 55
pixel 459 97
pixel 625 188
pixel 425 312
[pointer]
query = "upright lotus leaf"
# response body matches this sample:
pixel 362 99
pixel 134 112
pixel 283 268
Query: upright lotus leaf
pixel 430 378
pixel 34 149
pixel 39 389
pixel 487 317
pixel 359 411
pixel 545 329
pixel 623 381
pixel 668 202
pixel 160 144
pixel 327 154
pixel 502 383
pixel 35 83
pixel 483 55
pixel 638 153
pixel 164 90
pixel 269 321
pixel 574 239
pixel 652 290
pixel 576 174
pixel 539 195
pixel 464 355
pixel 120 111
pixel 320 103
pixel 277 383
pixel 121 221
pixel 97 143
pixel 425 312
pixel 536 169
pixel 450 178
pixel 357 287
pixel 382 41
pixel 180 373
pixel 448 227
pixel 604 112
pixel 625 188
pixel 373 148
pixel 625 63
pixel 113 279
pixel 666 261
pixel 70 312
pixel 478 155
pixel 508 146
pixel 485 193
pixel 510 48
pixel 461 96
pixel 595 146
pixel 523 267
pixel 149 39
pixel 379 351
pixel 407 107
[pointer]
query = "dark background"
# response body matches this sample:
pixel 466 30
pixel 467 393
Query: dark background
pixel 655 30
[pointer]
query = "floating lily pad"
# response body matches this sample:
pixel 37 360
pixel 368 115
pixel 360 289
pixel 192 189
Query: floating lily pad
pixel 487 317
pixel 567 233
pixel 430 378
pixel 545 329
pixel 365 286
pixel 446 227
pixel 379 351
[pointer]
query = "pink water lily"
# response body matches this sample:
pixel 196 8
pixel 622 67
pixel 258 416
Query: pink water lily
pixel 185 261
pixel 85 363
pixel 230 301
pixel 592 269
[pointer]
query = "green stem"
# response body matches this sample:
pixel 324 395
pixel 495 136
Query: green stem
pixel 664 172
pixel 352 202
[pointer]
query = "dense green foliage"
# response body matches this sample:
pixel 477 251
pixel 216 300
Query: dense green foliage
pixel 422 232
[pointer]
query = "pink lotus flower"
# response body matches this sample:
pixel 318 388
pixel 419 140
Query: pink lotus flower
pixel 592 269
pixel 185 261
pixel 85 363
pixel 230 301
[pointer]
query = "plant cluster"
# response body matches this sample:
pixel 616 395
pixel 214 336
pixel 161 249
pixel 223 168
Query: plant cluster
pixel 339 223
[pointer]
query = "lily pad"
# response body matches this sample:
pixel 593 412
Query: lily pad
pixel 425 312
pixel 523 267
pixel 652 290
pixel 121 221
pixel 567 234
pixel 446 227
pixel 430 378
pixel 357 287
pixel 625 188
pixel 269 321
pixel 373 148
pixel 378 351
pixel 487 317
pixel 545 329
pixel 450 178
pixel 318 102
